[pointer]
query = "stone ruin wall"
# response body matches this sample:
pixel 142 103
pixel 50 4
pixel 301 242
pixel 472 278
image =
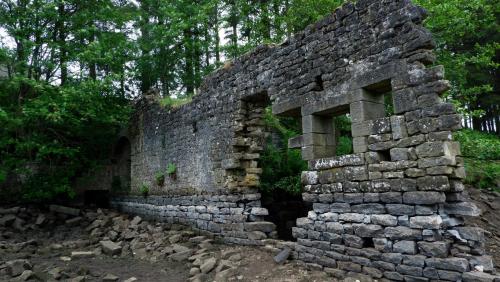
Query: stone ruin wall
pixel 391 210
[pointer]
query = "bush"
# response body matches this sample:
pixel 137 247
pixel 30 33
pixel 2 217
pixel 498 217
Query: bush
pixel 159 178
pixel 481 152
pixel 281 167
pixel 144 190
pixel 171 168
pixel 54 134
pixel 478 145
pixel 483 174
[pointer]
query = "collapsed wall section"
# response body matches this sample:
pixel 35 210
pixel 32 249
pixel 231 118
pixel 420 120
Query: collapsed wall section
pixel 391 210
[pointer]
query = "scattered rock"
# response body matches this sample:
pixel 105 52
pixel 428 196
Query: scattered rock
pixel 17 267
pixel 282 256
pixel 40 219
pixel 65 210
pixel 194 271
pixel 208 265
pixel 82 254
pixel 136 221
pixel 110 248
pixel 26 275
pixel 56 273
pixel 7 220
pixel 110 278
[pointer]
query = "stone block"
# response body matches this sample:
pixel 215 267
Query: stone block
pixel 316 124
pixel 426 222
pixel 453 264
pixel 361 129
pixel 414 260
pixel 371 197
pixel 404 100
pixel 394 258
pixel 335 227
pixel 398 126
pixel 471 233
pixel 353 241
pixel 462 208
pixel 478 277
pixel 438 149
pixel 399 209
pixel 352 217
pixel 409 270
pixel 353 198
pixel 338 161
pixel 423 197
pixel 368 208
pixel 360 144
pixel 402 233
pixel 368 230
pixel 399 154
pixel 309 177
pixel 434 249
pixel 365 110
pixel 391 197
pixel 405 247
pixel 110 248
pixel 384 219
pixel 263 226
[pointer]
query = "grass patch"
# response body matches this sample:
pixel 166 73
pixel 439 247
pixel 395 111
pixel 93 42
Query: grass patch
pixel 172 103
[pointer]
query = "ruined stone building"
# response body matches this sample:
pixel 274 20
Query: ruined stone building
pixel 393 209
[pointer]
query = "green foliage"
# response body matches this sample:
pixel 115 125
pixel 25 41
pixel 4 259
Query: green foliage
pixel 467 37
pixel 478 145
pixel 344 139
pixel 56 133
pixel 171 168
pixel 159 178
pixel 483 174
pixel 481 153
pixel 281 167
pixel 144 190
pixel 281 170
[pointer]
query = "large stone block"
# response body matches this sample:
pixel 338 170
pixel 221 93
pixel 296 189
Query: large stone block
pixel 424 197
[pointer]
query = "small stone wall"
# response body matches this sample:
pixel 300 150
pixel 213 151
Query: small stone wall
pixel 392 210
pixel 234 218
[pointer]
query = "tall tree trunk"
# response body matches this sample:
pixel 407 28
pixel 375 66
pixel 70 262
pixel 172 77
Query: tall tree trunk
pixel 62 42
pixel 188 66
pixel 216 34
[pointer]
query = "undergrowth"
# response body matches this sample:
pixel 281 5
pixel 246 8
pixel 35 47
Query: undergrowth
pixel 481 152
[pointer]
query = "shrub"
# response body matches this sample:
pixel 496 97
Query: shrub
pixel 483 174
pixel 159 178
pixel 144 190
pixel 281 167
pixel 481 152
pixel 171 168
pixel 478 145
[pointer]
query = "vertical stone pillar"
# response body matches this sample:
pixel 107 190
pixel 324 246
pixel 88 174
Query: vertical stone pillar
pixel 318 139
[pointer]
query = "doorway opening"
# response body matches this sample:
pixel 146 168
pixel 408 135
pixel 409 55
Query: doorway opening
pixel 282 166
pixel 121 172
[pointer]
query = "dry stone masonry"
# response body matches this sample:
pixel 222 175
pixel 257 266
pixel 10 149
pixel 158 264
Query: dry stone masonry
pixel 392 210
